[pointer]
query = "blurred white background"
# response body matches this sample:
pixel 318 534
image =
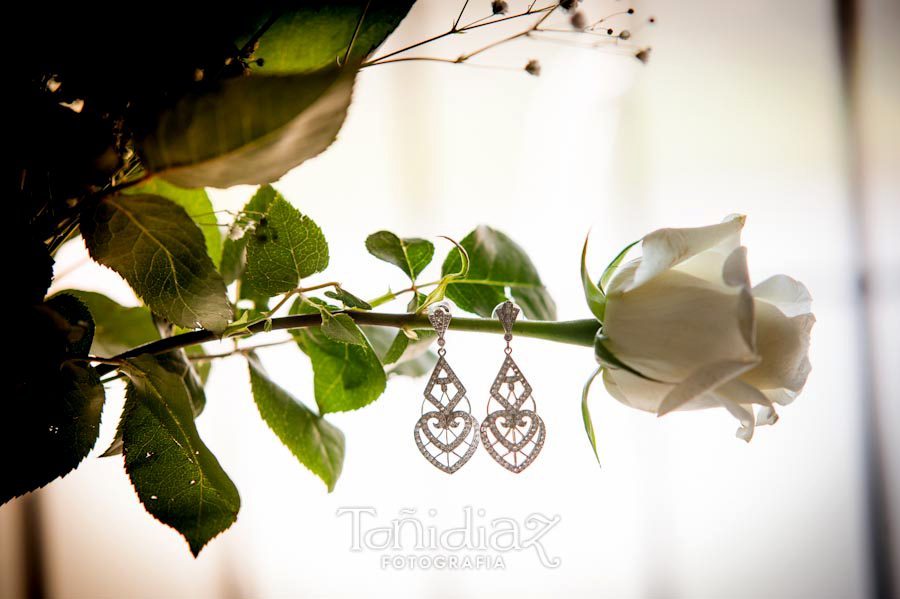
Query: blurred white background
pixel 739 110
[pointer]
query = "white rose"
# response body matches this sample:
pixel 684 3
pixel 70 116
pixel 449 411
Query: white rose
pixel 685 315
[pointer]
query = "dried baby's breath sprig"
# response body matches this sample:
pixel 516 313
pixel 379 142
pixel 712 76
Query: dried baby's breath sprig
pixel 578 19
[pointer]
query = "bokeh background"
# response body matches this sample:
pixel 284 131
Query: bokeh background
pixel 742 108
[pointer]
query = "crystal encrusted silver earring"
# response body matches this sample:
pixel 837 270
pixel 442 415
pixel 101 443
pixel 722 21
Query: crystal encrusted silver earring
pixel 513 435
pixel 447 437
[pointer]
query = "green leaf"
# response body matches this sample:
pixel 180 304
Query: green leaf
pixel 380 338
pixel 418 344
pixel 397 348
pixel 315 36
pixel 240 325
pixel 586 415
pixel 175 362
pixel 176 476
pixel 411 255
pixel 341 328
pixel 115 448
pixel 259 307
pixel 234 249
pixel 284 247
pixel 195 202
pixel 52 425
pixel 201 367
pixel 437 294
pixel 416 302
pixel 158 249
pixel 415 367
pixel 80 332
pixel 611 269
pixel 388 346
pixel 52 402
pixel 178 364
pixel 416 359
pixel 497 263
pixel 234 257
pixel 345 377
pixel 595 297
pixel 348 299
pixel 316 443
pixel 248 130
pixel 258 205
pixel 116 328
pixel 410 356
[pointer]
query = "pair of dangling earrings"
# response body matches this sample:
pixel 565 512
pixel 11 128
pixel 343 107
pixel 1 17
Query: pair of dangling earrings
pixel 513 434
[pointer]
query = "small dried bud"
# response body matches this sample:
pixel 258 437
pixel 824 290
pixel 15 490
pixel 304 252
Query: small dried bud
pixel 74 105
pixel 643 55
pixel 533 67
pixel 499 7
pixel 624 34
pixel 569 4
pixel 578 20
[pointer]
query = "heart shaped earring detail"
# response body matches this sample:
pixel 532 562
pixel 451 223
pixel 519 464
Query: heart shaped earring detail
pixel 514 434
pixel 447 437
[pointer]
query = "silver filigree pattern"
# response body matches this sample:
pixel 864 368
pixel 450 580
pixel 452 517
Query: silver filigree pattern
pixel 507 312
pixel 439 316
pixel 447 437
pixel 514 434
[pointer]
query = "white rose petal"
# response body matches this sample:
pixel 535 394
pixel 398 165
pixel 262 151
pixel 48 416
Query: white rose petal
pixel 788 295
pixel 780 396
pixel 710 377
pixel 766 415
pixel 675 323
pixel 685 316
pixel 665 248
pixel 783 344
pixel 743 413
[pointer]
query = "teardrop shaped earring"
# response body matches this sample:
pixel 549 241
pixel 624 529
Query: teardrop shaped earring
pixel 513 435
pixel 438 433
